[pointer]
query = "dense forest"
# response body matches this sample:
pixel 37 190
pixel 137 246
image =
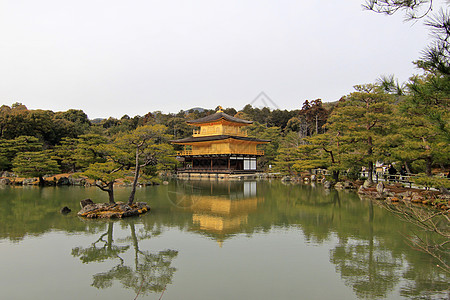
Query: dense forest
pixel 42 142
pixel 406 125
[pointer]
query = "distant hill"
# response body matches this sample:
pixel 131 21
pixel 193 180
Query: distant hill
pixel 97 120
pixel 198 109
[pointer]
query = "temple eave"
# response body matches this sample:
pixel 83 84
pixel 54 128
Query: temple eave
pixel 213 138
pixel 206 155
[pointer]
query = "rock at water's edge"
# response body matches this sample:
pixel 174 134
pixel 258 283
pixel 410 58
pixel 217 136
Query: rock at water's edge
pixel 5 181
pixel 380 188
pixel 327 185
pixel 63 181
pixel 65 210
pixel 86 202
pixel 366 184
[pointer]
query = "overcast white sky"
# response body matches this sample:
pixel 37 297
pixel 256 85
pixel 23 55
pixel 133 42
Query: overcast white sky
pixel 116 57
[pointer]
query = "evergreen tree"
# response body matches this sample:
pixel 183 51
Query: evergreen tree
pixel 288 154
pixel 65 154
pixel 10 148
pixel 273 134
pixel 90 148
pixel 286 159
pixel 363 120
pixel 425 121
pixel 147 147
pixel 314 115
pixel 105 175
pixel 321 151
pixel 35 164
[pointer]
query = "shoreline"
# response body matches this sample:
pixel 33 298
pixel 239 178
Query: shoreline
pixel 391 193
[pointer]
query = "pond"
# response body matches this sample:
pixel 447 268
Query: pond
pixel 211 240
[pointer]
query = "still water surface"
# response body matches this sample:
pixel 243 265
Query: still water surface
pixel 210 240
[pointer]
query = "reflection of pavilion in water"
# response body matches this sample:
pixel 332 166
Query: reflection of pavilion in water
pixel 221 215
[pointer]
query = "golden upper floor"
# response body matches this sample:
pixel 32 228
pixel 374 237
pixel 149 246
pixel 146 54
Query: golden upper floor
pixel 219 129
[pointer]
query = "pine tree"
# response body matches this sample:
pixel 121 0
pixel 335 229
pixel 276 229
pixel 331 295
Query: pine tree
pixel 363 120
pixel 146 147
pixel 105 175
pixel 35 164
pixel 425 121
pixel 10 148
pixel 324 151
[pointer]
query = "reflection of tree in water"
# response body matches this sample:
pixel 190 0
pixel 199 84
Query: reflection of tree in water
pixel 320 229
pixel 150 272
pixel 428 278
pixel 370 268
pixel 425 281
pixel 100 250
pixel 370 255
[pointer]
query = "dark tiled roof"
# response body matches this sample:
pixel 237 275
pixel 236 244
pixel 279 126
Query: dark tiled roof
pixel 217 138
pixel 217 116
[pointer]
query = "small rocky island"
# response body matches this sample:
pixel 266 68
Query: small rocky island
pixel 116 210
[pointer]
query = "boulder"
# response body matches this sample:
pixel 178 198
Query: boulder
pixel 88 208
pixel 286 178
pixel 327 185
pixel 406 199
pixel 5 181
pixel 390 194
pixel 30 181
pixel 393 199
pixel 416 198
pixel 130 213
pixel 406 194
pixel 86 202
pixel 380 188
pixel 63 181
pixel 77 181
pixel 366 184
pixel 7 174
pixel 348 185
pixel 65 210
pixel 444 197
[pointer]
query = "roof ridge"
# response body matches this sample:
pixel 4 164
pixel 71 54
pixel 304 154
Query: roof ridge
pixel 217 116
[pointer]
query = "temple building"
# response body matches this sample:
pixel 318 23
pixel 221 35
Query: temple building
pixel 219 145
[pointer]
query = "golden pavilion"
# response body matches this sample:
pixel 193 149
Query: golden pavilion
pixel 219 145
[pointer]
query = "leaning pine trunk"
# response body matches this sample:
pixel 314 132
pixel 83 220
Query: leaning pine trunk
pixel 110 191
pixel 136 177
pixel 370 170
